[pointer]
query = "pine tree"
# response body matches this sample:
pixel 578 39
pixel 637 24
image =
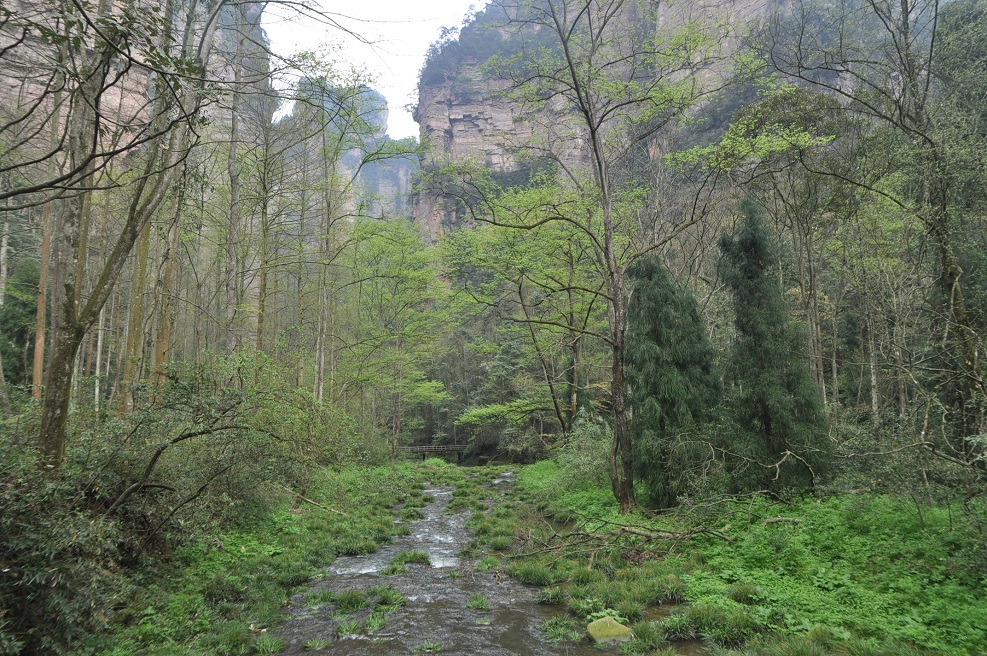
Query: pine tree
pixel 672 382
pixel 774 402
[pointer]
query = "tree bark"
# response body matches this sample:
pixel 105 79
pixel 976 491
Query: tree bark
pixel 164 161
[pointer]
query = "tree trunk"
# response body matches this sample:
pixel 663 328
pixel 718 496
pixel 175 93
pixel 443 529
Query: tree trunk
pixel 41 313
pixel 166 294
pixel 164 161
pixel 134 355
pixel 231 277
pixel 4 259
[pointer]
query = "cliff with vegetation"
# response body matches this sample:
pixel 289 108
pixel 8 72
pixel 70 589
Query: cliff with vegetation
pixel 466 109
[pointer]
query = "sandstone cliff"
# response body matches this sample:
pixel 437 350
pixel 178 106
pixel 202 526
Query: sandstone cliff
pixel 463 110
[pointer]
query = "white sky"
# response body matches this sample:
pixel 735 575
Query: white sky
pixel 400 30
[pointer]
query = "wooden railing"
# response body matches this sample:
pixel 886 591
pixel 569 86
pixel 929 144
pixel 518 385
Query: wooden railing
pixel 429 449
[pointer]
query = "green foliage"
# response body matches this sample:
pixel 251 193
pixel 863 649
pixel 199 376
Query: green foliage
pixel 412 557
pixel 268 644
pixel 429 646
pixel 555 596
pixel 55 553
pixel 560 629
pixel 477 602
pixel 584 459
pixel 17 319
pixel 351 600
pixel 872 573
pixel 673 384
pixel 532 573
pixel 388 597
pixel 781 429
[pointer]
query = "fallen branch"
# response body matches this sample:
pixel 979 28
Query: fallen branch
pixel 314 503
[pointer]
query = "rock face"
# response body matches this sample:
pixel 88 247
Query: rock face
pixel 464 113
pixel 607 630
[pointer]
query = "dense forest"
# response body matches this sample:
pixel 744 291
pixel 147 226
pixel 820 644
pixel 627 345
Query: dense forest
pixel 701 258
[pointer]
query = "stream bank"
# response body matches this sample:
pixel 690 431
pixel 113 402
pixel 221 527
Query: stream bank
pixel 444 598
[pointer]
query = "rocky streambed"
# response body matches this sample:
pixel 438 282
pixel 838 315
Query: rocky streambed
pixel 378 604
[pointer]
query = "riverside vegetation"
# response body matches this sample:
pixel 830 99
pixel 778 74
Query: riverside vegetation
pixel 853 574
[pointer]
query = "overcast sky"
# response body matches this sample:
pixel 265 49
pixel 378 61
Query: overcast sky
pixel 401 31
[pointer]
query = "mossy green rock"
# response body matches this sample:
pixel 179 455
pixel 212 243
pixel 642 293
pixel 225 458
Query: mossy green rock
pixel 606 630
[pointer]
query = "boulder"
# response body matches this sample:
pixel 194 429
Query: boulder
pixel 607 630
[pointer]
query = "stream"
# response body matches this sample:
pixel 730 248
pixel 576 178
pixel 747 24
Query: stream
pixel 436 613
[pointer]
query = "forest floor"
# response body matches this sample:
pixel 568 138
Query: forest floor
pixel 434 557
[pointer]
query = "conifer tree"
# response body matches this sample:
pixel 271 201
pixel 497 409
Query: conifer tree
pixel 672 381
pixel 780 437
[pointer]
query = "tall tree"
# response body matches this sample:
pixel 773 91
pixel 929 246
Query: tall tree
pixel 777 406
pixel 599 79
pixel 175 49
pixel 880 57
pixel 673 385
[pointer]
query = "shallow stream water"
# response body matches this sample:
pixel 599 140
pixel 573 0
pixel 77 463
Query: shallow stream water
pixel 437 596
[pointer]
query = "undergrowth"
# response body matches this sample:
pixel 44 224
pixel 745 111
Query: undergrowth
pixel 220 595
pixel 873 574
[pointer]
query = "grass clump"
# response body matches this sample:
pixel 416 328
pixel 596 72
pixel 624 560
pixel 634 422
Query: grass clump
pixel 477 602
pixel 320 598
pixel 268 644
pixel 376 621
pixel 560 629
pixel 409 514
pixel 388 597
pixel 351 600
pixel 552 595
pixel 412 558
pixel 393 570
pixel 488 563
pixel 316 643
pixel 429 646
pixel 531 572
pixel 744 593
pixel 348 628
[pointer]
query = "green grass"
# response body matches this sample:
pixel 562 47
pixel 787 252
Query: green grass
pixel 411 557
pixel 376 621
pixel 268 644
pixel 872 572
pixel 205 600
pixel 352 627
pixel 351 600
pixel 388 597
pixel 320 598
pixel 488 563
pixel 429 646
pixel 477 602
pixel 316 643
pixel 560 629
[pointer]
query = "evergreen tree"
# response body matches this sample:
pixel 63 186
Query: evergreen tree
pixel 671 377
pixel 775 403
